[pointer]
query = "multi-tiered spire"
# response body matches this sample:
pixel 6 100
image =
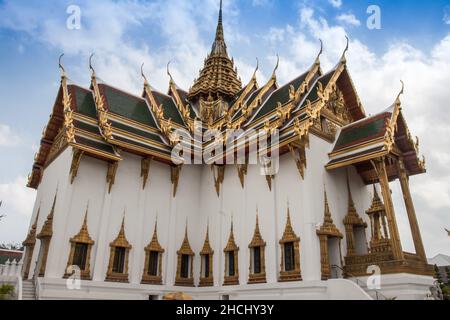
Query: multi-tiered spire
pixel 218 79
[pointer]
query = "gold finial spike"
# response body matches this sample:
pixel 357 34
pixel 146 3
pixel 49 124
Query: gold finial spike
pixel 320 52
pixel 402 91
pixel 256 69
pixel 274 73
pixel 350 198
pixel 63 71
pixel 90 65
pixel 168 71
pixel 86 215
pixel 186 229
pixel 52 211
pixel 344 59
pixel 143 75
pixel 34 226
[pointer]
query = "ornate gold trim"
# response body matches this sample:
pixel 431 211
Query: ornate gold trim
pixel 207 281
pixel 175 177
pixel 257 243
pixel 231 247
pixel 145 169
pixel 219 176
pixel 289 236
pixel 120 242
pixel 111 174
pixel 326 231
pixel 29 244
pixel 45 236
pixel 299 156
pixel 242 172
pixel 185 250
pixel 153 246
pixel 76 160
pixel 269 179
pixel 352 220
pixel 82 237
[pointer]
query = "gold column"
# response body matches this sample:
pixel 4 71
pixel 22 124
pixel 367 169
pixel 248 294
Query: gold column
pixel 325 264
pixel 389 207
pixel 415 231
pixel 350 240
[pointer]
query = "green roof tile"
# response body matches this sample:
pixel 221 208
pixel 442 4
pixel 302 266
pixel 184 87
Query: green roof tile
pixel 169 107
pixel 84 101
pixel 128 106
pixel 280 95
pixel 368 129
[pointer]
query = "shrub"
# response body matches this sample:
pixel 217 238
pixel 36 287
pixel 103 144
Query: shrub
pixel 6 292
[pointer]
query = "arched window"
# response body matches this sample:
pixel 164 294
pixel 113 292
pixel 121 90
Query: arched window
pixel 153 261
pixel 118 259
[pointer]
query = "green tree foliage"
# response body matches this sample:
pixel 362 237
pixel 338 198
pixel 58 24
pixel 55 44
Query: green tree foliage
pixel 6 292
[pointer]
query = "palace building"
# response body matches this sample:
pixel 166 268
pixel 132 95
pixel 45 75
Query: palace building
pixel 114 210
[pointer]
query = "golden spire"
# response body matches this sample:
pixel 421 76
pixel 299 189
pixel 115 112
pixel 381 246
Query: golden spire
pixel 206 245
pixel 47 228
pixel 31 237
pixel 154 243
pixel 219 46
pixel 121 240
pixel 257 239
pixel 328 227
pixel 83 236
pixel 218 78
pixel 231 244
pixel 377 204
pixel 327 212
pixel 186 246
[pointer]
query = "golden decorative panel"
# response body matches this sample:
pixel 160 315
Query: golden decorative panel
pixel 185 250
pixel 153 246
pixel 257 243
pixel 289 237
pixel 207 280
pixel 233 249
pixel 120 242
pixel 326 231
pixel 82 237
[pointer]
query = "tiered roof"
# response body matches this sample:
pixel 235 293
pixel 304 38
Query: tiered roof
pixel 102 120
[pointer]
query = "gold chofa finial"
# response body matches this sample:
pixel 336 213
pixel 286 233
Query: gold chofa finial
pixel 401 91
pixel 90 65
pixel 257 68
pixel 276 67
pixel 168 70
pixel 63 71
pixel 343 59
pixel 143 75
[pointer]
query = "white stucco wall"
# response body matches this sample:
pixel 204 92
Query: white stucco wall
pixel 197 204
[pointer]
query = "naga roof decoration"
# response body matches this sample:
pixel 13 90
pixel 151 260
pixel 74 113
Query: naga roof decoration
pixel 102 120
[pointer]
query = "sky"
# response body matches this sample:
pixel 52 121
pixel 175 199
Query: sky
pixel 411 43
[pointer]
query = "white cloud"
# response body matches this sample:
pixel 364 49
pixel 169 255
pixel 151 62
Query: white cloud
pixel 18 201
pixel 7 137
pixel 335 3
pixel 348 18
pixel 447 15
pixel 261 3
pixel 377 80
pixel 106 25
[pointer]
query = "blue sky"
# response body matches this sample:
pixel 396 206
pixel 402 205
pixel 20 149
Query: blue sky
pixel 413 44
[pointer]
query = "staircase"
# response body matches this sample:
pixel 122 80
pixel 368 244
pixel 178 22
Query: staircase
pixel 28 290
pixel 375 294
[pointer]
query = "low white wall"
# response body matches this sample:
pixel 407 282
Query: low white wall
pixel 339 289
